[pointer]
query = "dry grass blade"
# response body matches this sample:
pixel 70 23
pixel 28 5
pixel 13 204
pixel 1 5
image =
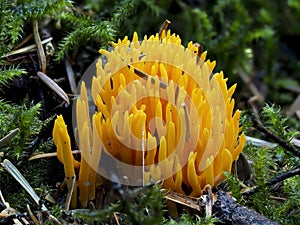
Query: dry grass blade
pixel 190 202
pixel 41 155
pixel 29 48
pixel 54 220
pixel 70 193
pixel 32 216
pixel 7 138
pixel 40 49
pixel 24 41
pixel 164 27
pixel 17 222
pixel 9 167
pixel 54 86
pixel 25 221
pixel 116 218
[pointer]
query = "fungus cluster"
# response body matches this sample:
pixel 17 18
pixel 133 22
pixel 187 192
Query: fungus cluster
pixel 160 112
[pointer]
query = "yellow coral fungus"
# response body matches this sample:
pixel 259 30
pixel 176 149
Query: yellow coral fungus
pixel 161 114
pixel 62 141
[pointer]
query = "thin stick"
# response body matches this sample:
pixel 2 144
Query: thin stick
pixel 188 201
pixel 2 199
pixel 275 180
pixel 285 176
pixel 187 121
pixel 163 27
pixel 116 218
pixel 287 146
pixel 70 193
pixel 47 155
pixel 146 76
pixel 29 48
pixel 17 222
pixel 54 220
pixel 25 221
pixel 32 216
pixel 25 40
pixel 8 211
pixel 40 49
pixel 199 52
pixel 143 156
pixel 277 139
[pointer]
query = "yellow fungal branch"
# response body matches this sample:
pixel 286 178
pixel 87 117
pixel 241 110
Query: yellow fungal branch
pixel 64 153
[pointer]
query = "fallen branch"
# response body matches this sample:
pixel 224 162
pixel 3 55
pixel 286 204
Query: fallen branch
pixel 229 211
pixel 259 126
pixel 225 208
pixel 287 146
pixel 275 180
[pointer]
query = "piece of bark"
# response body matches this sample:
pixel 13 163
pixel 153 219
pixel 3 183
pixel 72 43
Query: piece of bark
pixel 230 212
pixel 225 208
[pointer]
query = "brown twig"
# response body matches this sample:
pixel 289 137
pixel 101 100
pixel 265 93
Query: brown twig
pixel 116 218
pixel 70 193
pixel 258 125
pixel 32 216
pixel 42 155
pixel 190 202
pixel 284 176
pixel 54 220
pixel 40 49
pixel 199 52
pixel 275 180
pixel 24 41
pixel 163 27
pixel 287 146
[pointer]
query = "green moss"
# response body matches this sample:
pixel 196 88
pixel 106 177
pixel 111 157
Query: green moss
pixel 278 201
pixel 134 207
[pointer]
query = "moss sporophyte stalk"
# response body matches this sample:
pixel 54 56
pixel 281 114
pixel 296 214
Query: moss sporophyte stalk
pixel 161 115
